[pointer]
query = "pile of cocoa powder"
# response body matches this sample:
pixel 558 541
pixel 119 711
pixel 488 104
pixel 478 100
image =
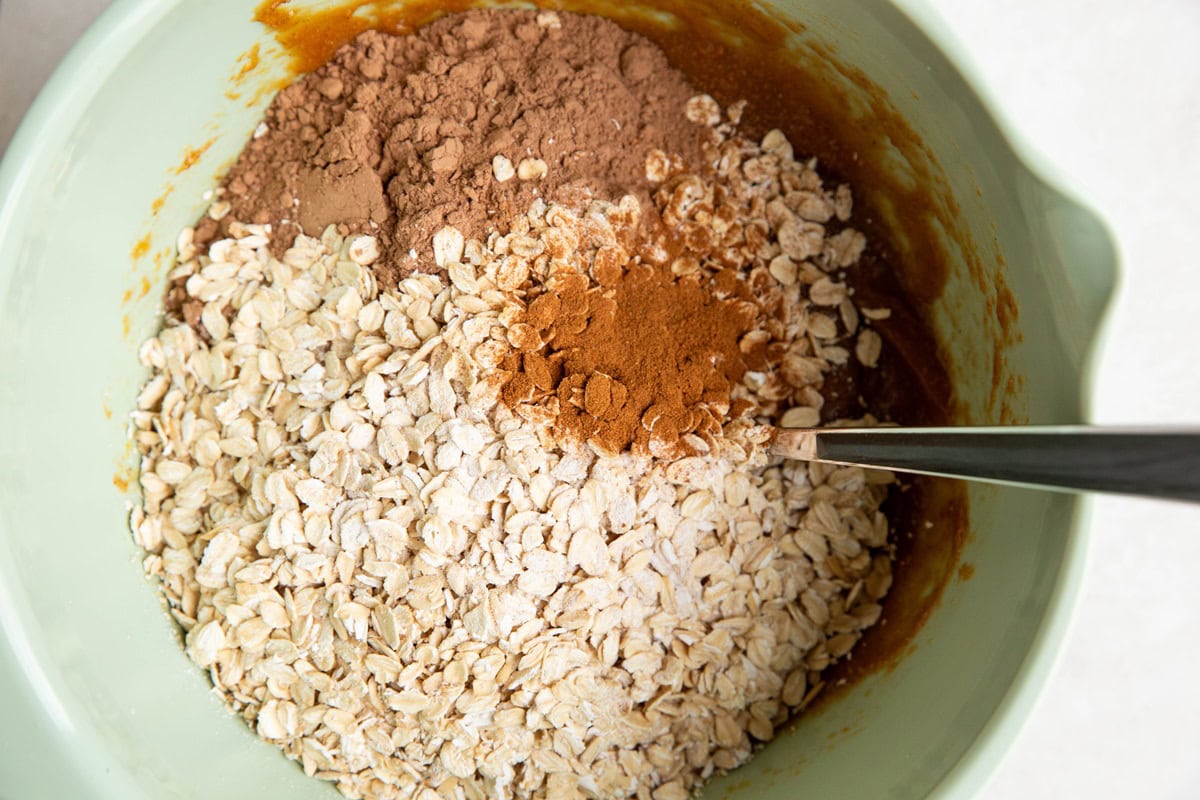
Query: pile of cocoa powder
pixel 397 136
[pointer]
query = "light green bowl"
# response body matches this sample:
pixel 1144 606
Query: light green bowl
pixel 97 699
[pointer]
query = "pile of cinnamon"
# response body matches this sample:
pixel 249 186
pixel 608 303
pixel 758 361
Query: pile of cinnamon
pixel 636 362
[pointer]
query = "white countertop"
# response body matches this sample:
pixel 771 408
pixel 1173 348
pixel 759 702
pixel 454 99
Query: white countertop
pixel 1109 91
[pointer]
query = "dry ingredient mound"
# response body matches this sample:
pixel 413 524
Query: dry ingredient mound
pixel 463 122
pixel 634 363
pixel 453 469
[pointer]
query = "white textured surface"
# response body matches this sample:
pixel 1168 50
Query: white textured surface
pixel 1109 91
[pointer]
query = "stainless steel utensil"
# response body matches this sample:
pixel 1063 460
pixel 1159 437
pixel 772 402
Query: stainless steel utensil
pixel 1153 462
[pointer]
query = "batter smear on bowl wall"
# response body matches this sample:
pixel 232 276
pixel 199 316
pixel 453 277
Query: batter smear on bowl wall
pixel 453 449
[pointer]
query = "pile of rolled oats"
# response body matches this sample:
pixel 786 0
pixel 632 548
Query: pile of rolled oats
pixel 416 591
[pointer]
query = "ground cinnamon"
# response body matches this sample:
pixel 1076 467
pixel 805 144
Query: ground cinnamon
pixel 636 363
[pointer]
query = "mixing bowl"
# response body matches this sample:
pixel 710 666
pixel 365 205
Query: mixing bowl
pixel 98 699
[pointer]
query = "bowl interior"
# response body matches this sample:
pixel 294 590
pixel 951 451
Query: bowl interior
pixel 102 702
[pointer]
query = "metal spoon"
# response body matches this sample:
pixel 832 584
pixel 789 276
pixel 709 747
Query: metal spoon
pixel 1153 462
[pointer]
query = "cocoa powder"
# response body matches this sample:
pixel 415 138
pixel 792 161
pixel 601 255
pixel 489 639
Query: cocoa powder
pixel 396 135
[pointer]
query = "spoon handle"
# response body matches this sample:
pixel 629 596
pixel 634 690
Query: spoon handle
pixel 1153 462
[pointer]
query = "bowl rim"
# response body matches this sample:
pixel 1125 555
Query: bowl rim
pixel 981 761
pixel 35 144
pixel 87 66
